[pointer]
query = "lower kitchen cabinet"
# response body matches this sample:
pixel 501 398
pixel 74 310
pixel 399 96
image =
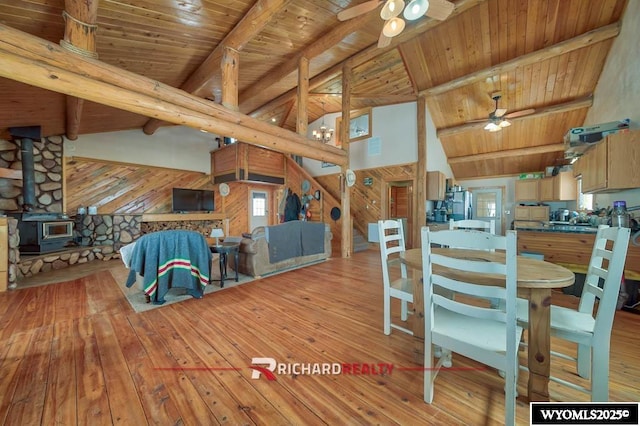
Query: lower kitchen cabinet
pixel 532 213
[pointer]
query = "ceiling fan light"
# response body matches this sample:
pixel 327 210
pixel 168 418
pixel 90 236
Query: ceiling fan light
pixel 492 127
pixel 393 27
pixel 391 9
pixel 504 123
pixel 415 9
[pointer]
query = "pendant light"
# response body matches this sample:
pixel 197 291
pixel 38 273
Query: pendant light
pixel 393 27
pixel 415 9
pixel 391 9
pixel 323 134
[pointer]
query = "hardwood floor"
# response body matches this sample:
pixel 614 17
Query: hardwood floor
pixel 76 353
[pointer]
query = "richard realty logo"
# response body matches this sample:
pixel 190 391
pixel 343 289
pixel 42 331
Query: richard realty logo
pixel 269 367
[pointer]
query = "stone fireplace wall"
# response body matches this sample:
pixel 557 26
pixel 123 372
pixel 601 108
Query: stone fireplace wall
pixel 48 175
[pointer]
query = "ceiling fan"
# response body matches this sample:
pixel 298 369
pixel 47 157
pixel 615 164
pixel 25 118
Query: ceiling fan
pixel 498 117
pixel 436 9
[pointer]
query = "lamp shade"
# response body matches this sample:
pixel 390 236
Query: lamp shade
pixel 391 9
pixel 415 9
pixel 216 233
pixel 393 27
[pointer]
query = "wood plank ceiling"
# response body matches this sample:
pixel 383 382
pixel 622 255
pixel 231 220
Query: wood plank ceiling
pixel 544 55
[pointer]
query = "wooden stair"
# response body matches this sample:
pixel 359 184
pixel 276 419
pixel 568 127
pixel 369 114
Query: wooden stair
pixel 360 243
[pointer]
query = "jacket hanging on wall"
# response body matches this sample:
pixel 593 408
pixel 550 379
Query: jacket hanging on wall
pixel 292 207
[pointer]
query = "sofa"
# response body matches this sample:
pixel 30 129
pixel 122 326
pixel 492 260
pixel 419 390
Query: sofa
pixel 289 245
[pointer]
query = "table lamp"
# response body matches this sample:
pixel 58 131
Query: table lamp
pixel 216 233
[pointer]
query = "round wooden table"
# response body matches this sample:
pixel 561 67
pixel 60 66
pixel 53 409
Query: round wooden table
pixel 536 278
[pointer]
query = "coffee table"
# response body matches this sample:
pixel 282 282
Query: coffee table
pixel 225 249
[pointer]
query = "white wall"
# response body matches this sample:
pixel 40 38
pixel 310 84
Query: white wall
pixel 395 128
pixel 174 147
pixel 617 95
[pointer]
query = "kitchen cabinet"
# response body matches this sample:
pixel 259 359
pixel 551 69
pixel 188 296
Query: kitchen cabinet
pixel 545 189
pixel 527 189
pixel 532 213
pixel 438 226
pixel 561 187
pixel 568 249
pixel 436 185
pixel 611 165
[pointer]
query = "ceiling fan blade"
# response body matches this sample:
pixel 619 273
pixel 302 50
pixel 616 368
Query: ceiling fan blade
pixel 358 10
pixel 383 40
pixel 439 9
pixel 522 113
pixel 499 112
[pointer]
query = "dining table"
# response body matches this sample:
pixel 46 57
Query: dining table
pixel 536 279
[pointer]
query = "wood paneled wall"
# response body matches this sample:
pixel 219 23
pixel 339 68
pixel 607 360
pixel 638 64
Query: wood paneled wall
pixel 369 203
pixel 123 188
pixel 134 189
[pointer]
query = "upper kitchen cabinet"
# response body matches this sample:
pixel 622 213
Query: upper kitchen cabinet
pixel 436 185
pixel 612 164
pixel 561 187
pixel 527 190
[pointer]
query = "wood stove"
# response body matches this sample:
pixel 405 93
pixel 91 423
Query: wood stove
pixel 44 232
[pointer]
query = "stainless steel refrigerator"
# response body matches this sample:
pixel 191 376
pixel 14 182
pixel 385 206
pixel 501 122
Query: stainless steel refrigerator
pixel 461 207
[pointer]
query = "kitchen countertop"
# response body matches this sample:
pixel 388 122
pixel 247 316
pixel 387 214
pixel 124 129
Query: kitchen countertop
pixel 576 229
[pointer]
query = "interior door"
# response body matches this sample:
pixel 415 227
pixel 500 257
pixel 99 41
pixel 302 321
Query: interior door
pixel 258 209
pixel 487 205
pixel 400 206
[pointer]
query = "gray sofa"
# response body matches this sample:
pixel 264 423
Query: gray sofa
pixel 271 249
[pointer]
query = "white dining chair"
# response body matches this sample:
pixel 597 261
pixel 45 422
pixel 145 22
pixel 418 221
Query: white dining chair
pixel 480 225
pixel 465 325
pixel 397 285
pixel 591 332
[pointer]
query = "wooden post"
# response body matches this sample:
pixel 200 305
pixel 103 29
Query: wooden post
pixel 80 38
pixel 302 122
pixel 230 70
pixel 345 195
pixel 420 193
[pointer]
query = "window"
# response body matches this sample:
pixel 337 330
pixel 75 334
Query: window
pixel 486 204
pixel 585 201
pixel 259 204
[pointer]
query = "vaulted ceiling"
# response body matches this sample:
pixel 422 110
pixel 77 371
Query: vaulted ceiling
pixel 544 57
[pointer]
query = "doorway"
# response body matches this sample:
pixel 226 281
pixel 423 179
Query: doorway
pixel 487 205
pixel 258 209
pixel 400 206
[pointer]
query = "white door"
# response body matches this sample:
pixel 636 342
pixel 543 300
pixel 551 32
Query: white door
pixel 487 205
pixel 258 209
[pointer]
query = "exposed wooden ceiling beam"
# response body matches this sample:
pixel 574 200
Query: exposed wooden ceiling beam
pixel 249 26
pixel 583 40
pixel 325 42
pixel 565 107
pixel 363 56
pixel 542 149
pixel 79 37
pixel 37 62
pixel 377 97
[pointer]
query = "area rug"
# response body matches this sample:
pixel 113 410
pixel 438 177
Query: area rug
pixel 136 297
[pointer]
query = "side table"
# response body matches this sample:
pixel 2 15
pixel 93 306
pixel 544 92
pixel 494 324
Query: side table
pixel 225 249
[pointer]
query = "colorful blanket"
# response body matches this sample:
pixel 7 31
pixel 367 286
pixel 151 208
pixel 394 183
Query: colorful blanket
pixel 171 259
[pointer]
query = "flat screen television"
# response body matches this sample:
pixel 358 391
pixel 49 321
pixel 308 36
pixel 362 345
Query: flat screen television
pixel 192 200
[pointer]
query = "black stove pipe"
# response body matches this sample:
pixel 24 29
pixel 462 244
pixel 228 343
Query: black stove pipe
pixel 27 135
